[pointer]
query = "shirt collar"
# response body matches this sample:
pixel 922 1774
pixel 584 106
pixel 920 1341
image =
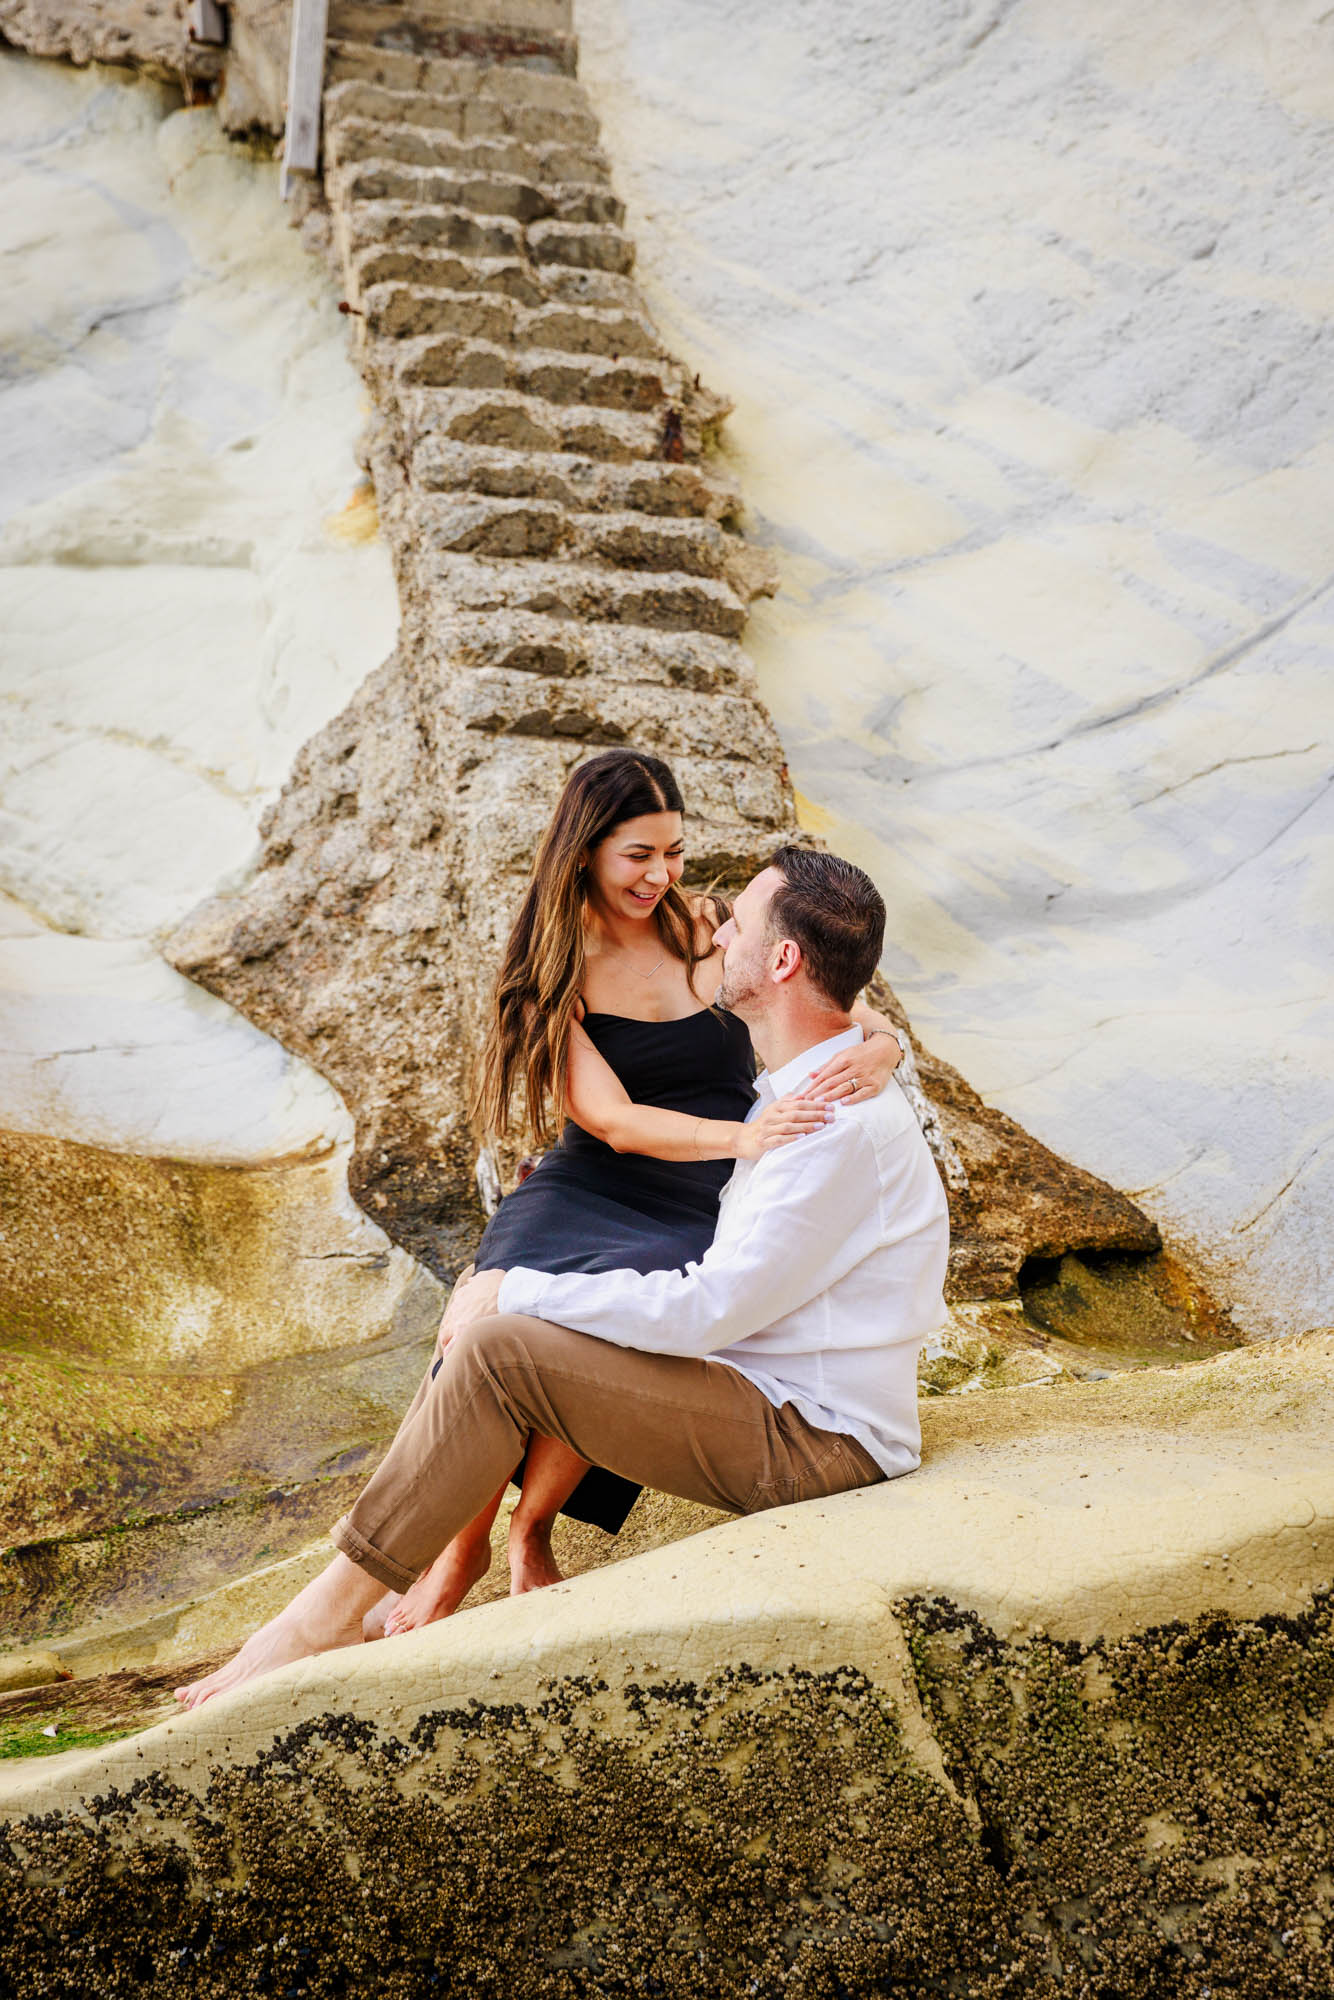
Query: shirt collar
pixel 778 1082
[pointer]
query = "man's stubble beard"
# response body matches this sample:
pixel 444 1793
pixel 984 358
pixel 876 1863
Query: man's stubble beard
pixel 734 995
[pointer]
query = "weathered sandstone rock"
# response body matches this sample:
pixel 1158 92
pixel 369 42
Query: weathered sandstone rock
pixel 571 574
pixel 153 35
pixel 30 1670
pixel 190 584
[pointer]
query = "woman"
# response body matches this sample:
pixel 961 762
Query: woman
pixel 602 1017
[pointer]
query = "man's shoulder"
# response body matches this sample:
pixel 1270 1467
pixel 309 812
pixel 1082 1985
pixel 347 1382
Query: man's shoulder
pixel 889 1125
pixel 886 1116
pixel 816 1155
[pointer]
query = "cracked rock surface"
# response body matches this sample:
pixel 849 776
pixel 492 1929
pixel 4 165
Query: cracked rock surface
pixel 1020 310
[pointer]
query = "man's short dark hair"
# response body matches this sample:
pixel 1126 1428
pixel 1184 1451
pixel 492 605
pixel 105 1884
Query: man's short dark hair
pixel 834 913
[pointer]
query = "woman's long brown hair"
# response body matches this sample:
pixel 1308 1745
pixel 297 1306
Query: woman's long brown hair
pixel 538 985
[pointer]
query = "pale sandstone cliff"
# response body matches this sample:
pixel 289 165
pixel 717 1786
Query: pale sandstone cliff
pixel 571 574
pixel 1026 312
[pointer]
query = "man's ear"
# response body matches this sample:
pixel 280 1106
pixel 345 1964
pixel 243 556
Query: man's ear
pixel 787 962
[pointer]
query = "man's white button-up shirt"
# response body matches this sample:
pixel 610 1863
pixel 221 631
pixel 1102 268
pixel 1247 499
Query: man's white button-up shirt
pixel 820 1285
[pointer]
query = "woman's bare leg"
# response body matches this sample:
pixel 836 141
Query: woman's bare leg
pixel 441 1589
pixel 551 1472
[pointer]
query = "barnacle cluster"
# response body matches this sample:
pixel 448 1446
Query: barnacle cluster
pixel 1135 1819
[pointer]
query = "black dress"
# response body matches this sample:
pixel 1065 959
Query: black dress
pixel 586 1207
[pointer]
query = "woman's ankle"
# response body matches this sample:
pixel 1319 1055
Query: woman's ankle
pixel 532 1561
pixel 531 1531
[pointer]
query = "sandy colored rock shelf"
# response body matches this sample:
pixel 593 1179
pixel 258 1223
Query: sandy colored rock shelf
pixel 1069 1686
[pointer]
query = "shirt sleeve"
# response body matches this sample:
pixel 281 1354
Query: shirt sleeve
pixel 810 1215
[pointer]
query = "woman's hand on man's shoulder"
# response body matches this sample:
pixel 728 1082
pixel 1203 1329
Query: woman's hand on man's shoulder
pixel 856 1073
pixel 786 1119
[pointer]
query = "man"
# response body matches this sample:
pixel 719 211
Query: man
pixel 781 1367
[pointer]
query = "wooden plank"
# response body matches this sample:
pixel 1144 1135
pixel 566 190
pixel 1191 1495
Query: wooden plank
pixel 208 22
pixel 305 89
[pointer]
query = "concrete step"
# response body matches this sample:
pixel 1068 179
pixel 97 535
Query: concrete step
pixel 557 105
pixel 365 225
pixel 585 485
pixel 488 193
pixel 452 270
pixel 590 288
pixel 420 266
pixel 550 17
pixel 574 328
pixel 499 703
pixel 477 524
pixel 441 360
pixel 631 540
pixel 405 311
pixel 535 643
pixel 668 600
pixel 352 138
pixel 514 36
pixel 408 312
pixel 472 107
pixel 585 245
pixel 514 422
pixel 470 525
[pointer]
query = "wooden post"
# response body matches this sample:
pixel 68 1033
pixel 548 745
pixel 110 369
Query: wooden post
pixel 305 90
pixel 208 22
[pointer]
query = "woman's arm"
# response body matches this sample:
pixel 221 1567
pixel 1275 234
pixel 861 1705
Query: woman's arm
pixel 872 1023
pixel 597 1099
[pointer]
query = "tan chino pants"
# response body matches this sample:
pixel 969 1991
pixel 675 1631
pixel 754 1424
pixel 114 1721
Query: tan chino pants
pixel 694 1428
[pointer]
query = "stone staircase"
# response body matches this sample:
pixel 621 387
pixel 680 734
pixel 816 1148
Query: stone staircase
pixel 540 460
pixel 572 573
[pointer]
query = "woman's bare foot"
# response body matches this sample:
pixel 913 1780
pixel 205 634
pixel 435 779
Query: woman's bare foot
pixel 441 1589
pixel 326 1614
pixel 532 1565
pixel 372 1625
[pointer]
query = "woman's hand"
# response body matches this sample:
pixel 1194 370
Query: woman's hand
pixel 786 1119
pixel 475 1296
pixel 855 1074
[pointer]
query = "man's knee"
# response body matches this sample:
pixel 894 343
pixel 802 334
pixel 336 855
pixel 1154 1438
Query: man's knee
pixel 496 1343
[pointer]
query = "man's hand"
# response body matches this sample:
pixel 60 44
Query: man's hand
pixel 855 1074
pixel 475 1296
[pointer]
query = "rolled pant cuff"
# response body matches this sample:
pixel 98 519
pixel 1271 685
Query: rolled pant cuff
pixel 358 1550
